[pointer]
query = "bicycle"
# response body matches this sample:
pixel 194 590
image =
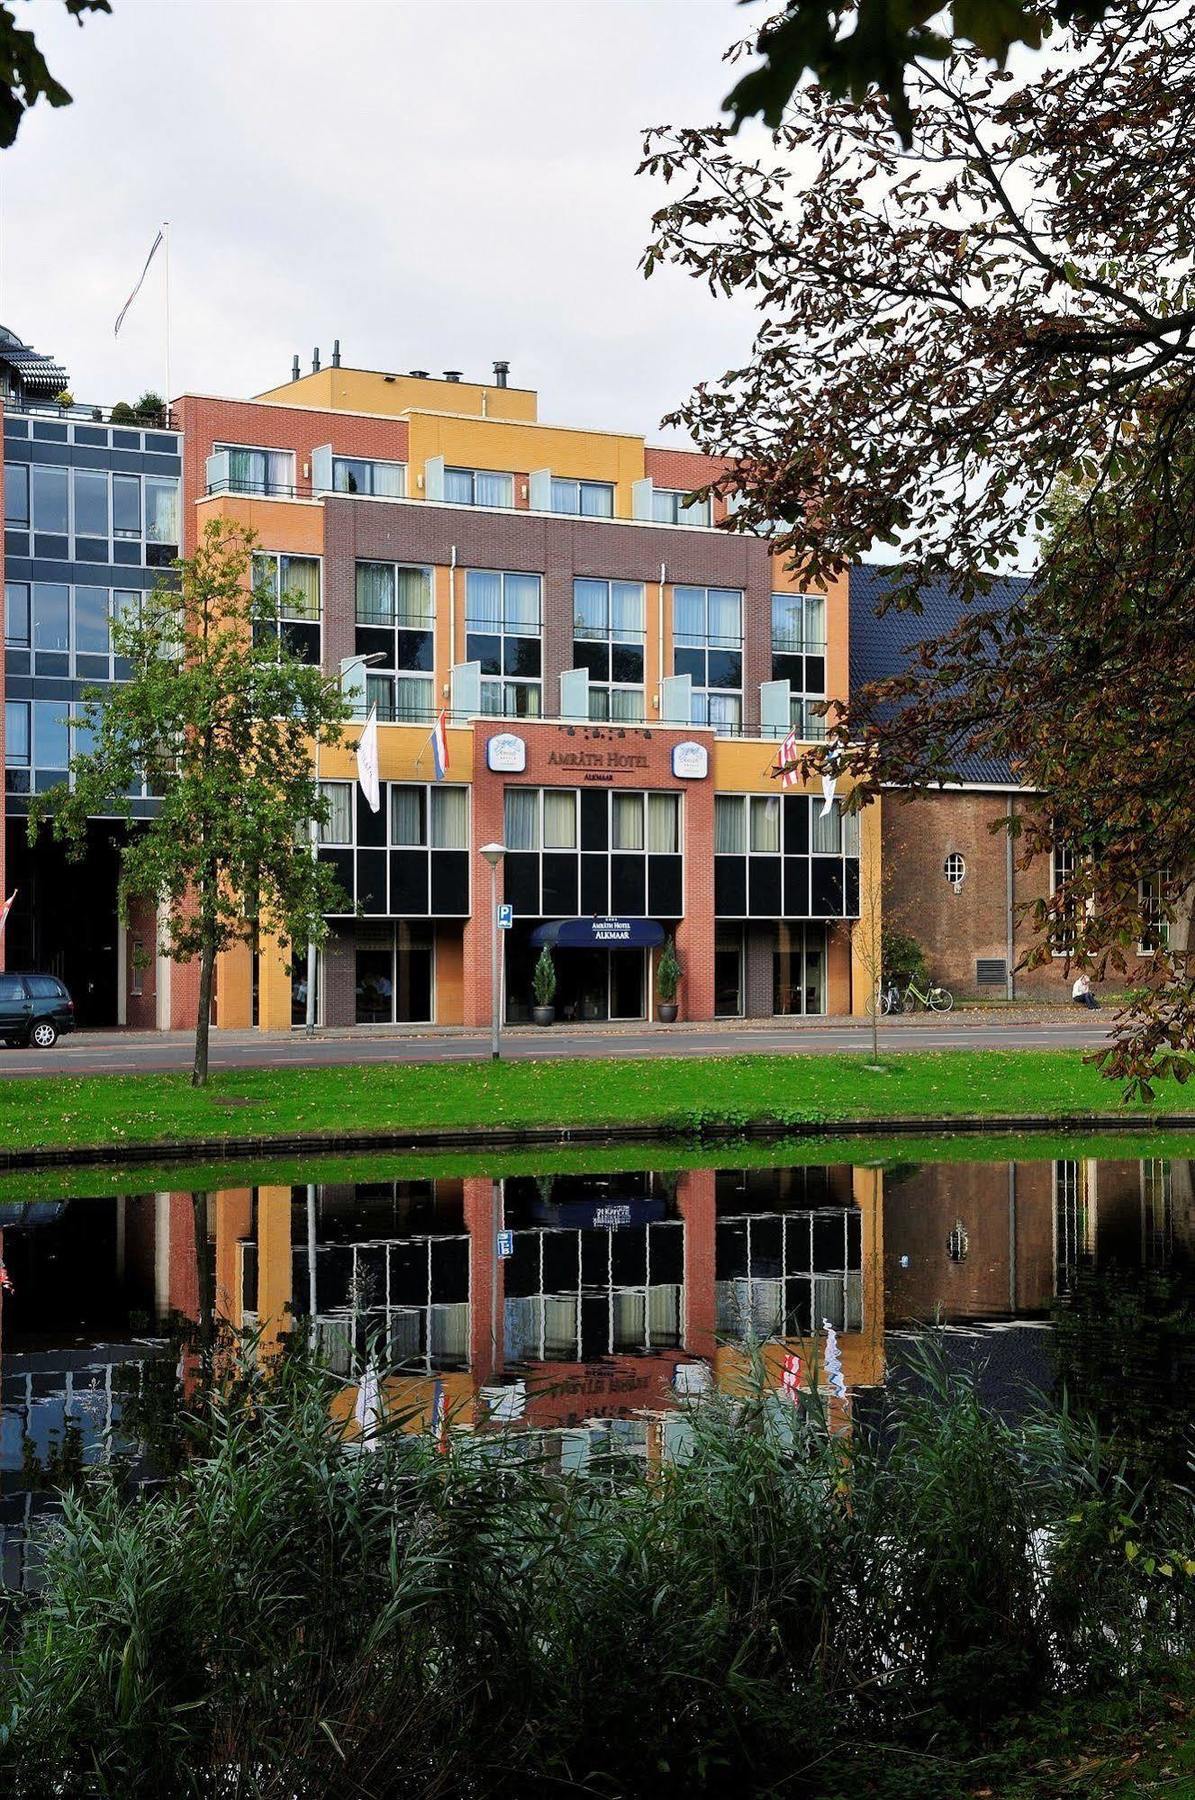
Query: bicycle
pixel 934 999
pixel 888 998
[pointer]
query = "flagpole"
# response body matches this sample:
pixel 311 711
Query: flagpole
pixel 166 285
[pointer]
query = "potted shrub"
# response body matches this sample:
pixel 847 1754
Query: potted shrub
pixel 668 979
pixel 65 400
pixel 122 414
pixel 543 985
pixel 151 408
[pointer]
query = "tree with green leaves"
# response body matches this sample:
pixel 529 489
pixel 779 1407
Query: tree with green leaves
pixel 976 352
pixel 25 76
pixel 222 720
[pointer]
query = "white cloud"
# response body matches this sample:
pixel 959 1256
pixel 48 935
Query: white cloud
pixel 436 182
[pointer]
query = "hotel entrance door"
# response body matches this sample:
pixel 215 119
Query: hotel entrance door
pixel 596 985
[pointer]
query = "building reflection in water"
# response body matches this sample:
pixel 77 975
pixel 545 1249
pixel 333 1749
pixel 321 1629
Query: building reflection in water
pixel 616 1292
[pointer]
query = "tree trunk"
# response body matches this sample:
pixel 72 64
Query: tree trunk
pixel 207 971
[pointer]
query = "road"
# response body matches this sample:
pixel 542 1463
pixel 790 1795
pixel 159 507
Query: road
pixel 124 1052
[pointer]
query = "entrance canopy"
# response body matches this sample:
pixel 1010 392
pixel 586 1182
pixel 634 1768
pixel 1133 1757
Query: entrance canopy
pixel 601 934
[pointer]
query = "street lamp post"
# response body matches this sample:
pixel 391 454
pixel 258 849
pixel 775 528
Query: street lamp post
pixel 493 854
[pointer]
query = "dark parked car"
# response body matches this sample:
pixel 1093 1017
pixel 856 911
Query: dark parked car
pixel 34 1009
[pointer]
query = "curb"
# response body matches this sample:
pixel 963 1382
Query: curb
pixel 512 1137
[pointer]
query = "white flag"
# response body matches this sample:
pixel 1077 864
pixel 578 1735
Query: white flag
pixel 829 784
pixel 832 1362
pixel 6 909
pixel 369 1410
pixel 367 760
pixel 154 248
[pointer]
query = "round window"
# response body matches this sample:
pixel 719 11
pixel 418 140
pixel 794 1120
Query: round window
pixel 954 868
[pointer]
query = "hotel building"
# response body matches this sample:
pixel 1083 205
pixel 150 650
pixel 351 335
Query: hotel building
pixel 616 669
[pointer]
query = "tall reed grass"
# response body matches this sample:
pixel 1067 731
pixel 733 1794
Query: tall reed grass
pixel 289 1617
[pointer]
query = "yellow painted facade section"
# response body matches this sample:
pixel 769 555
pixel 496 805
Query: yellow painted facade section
pixel 867 936
pixel 744 765
pixel 404 754
pixel 377 392
pixel 492 444
pixel 234 988
pixel 275 1286
pixel 234 1223
pixel 273 985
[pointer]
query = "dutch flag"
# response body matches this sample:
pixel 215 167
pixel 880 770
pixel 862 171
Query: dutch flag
pixel 440 746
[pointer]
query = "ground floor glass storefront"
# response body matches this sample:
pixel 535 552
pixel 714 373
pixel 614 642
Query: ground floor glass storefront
pixel 593 984
pixel 799 968
pixel 395 974
pixel 777 969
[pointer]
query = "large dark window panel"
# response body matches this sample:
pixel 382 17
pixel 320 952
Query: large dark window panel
pixel 725 668
pixel 595 821
pixel 486 650
pixel 628 886
pixel 690 662
pixel 789 668
pixel 371 881
pixel 520 883
pixel 523 656
pixel 408 882
pixel 763 887
pixel 450 881
pixel 796 887
pixel 370 641
pixel 342 864
pixel 796 825
pixel 560 886
pixel 730 886
pixel 371 826
pixel 826 888
pixel 851 901
pixel 627 664
pixel 414 651
pixel 595 658
pixel 665 887
pixel 595 885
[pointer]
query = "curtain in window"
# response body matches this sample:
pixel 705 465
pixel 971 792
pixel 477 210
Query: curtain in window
pixel 375 594
pixel 788 623
pixel 850 834
pixel 521 602
pixel 827 833
pixel 389 480
pixel 458 486
pixel 493 490
pixel 265 576
pixel 628 821
pixel 696 514
pixel 522 819
pixel 564 496
pixel 16 733
pixel 815 622
pixel 560 820
pixel 664 1313
pixel 300 587
pixel 379 693
pixel 663 823
pixel 348 475
pixel 280 469
pixel 338 828
pixel 406 816
pixel 413 699
pixel 724 712
pixel 688 613
pixel 626 610
pixel 663 506
pixel 725 616
pixel 629 1321
pixel 414 604
pixel 161 512
pixel 448 1332
pixel 765 823
pixel 626 705
pixel 597 500
pixel 246 470
pixel 590 612
pixel 450 818
pixel 483 600
pixel 730 831
pixel 524 700
pixel 16 612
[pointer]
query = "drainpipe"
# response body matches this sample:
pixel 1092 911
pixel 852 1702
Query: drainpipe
pixel 452 657
pixel 1010 979
pixel 660 669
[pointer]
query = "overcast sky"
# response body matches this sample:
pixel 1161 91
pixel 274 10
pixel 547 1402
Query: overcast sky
pixel 436 182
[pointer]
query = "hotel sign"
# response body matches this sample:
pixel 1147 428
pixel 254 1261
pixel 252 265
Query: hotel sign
pixel 690 762
pixel 506 754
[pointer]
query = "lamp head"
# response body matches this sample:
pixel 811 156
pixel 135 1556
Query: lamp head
pixel 493 853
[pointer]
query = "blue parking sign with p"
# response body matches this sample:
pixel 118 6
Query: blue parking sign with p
pixel 506 917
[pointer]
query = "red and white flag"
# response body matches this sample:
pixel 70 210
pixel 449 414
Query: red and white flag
pixel 786 761
pixel 6 909
pixel 790 1377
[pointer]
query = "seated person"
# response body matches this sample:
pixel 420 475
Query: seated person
pixel 1081 993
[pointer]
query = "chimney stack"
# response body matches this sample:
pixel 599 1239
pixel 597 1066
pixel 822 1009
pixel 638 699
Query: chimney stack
pixel 501 371
pixel 335 353
pixel 294 367
pixel 315 360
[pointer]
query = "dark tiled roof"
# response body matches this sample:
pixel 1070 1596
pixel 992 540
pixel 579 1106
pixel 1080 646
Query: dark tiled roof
pixel 32 368
pixel 880 645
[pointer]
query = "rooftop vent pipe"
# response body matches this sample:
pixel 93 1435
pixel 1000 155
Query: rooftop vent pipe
pixel 294 367
pixel 452 374
pixel 420 374
pixel 501 371
pixel 315 360
pixel 335 353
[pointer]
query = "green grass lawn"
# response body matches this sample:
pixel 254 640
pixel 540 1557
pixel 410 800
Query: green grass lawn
pixel 688 1093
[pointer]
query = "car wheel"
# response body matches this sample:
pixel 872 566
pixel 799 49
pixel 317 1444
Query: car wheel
pixel 44 1034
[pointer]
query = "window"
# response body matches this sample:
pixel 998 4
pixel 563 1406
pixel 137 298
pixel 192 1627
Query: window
pixel 730 825
pixel 776 857
pixel 608 640
pixel 253 471
pixel 16 614
pixel 522 819
pixel 663 824
pixel 503 634
pixel 89 508
pixel 16 496
pixel 449 818
pixel 290 587
pixel 51 503
pixel 627 820
pixel 337 828
pixel 17 746
pixel 1062 870
pixel 588 499
pixel 1155 933
pixel 603 851
pixel 161 511
pixel 708 647
pixel 126 506
pixel 799 657
pixel 384 480
pixel 954 869
pixel 137 967
pixel 51 618
pixel 479 487
pixel 765 824
pixel 422 816
pixel 396 610
pixel 668 507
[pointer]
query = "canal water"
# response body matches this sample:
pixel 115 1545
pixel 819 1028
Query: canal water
pixel 583 1308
